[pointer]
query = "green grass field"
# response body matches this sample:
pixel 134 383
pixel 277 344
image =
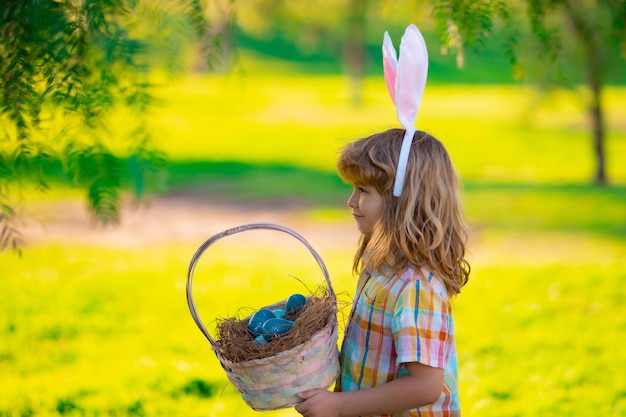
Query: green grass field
pixel 94 330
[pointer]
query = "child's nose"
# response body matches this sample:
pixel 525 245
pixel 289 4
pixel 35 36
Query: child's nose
pixel 353 201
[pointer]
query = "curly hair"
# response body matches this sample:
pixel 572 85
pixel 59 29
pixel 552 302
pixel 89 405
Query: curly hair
pixel 426 225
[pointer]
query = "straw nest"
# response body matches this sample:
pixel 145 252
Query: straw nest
pixel 236 344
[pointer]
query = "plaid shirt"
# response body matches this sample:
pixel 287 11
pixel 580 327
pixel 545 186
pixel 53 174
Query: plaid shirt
pixel 406 317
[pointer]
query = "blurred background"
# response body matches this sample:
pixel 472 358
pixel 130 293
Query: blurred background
pixel 132 131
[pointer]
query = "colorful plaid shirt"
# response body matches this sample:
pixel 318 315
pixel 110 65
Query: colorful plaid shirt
pixel 406 317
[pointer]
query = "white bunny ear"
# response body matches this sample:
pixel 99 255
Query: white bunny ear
pixel 408 77
pixel 390 65
pixel 412 73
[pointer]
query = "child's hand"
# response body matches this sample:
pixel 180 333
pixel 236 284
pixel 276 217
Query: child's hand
pixel 318 403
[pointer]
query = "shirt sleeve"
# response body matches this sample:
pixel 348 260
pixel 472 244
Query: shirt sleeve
pixel 421 323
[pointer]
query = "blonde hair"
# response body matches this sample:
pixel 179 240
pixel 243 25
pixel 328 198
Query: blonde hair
pixel 426 225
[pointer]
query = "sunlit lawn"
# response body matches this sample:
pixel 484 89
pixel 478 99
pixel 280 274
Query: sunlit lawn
pixel 494 133
pixel 92 330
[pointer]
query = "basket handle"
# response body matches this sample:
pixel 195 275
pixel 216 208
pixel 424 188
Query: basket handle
pixel 232 231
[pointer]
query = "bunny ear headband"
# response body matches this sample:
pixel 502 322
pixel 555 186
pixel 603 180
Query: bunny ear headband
pixel 406 79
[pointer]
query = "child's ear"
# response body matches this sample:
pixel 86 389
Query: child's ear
pixel 412 71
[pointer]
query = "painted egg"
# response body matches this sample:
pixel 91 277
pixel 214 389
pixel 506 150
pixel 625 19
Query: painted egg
pixel 274 327
pixel 280 313
pixel 260 340
pixel 255 325
pixel 294 302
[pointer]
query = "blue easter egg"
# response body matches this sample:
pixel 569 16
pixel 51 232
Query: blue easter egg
pixel 274 327
pixel 294 302
pixel 260 340
pixel 255 325
pixel 280 313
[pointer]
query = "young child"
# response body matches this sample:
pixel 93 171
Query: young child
pixel 398 356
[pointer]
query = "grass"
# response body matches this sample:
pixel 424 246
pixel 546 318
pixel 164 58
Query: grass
pixel 93 330
pixel 510 132
pixel 101 331
pixel 548 343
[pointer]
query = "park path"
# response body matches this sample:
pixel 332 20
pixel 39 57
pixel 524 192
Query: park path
pixel 174 219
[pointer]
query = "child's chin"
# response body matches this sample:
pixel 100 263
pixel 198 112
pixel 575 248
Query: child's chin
pixel 363 229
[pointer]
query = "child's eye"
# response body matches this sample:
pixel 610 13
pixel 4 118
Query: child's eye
pixel 361 189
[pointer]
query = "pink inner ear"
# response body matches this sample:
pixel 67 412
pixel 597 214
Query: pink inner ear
pixel 390 75
pixel 390 65
pixel 390 80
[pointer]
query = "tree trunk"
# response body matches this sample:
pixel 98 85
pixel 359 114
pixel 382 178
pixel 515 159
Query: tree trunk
pixel 354 47
pixel 597 123
pixel 581 21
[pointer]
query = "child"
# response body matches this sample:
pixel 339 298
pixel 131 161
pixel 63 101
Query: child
pixel 398 356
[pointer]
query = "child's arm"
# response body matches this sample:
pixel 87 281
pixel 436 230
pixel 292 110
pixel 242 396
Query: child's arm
pixel 422 386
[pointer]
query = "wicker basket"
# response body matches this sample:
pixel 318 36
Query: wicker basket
pixel 273 382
